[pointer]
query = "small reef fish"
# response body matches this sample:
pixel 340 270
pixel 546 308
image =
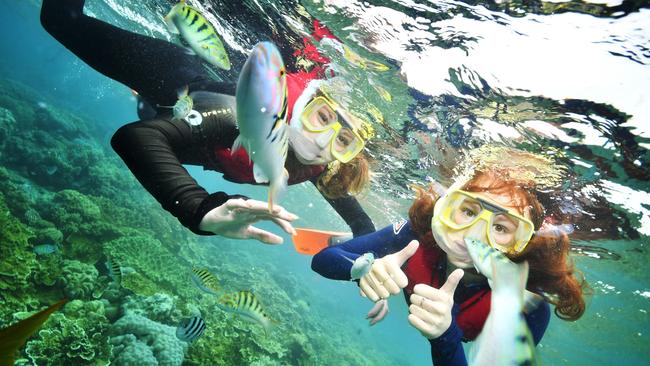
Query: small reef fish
pixel 205 280
pixel 246 304
pixel 361 266
pixel 114 270
pixel 183 106
pixel 197 31
pixel 505 339
pixel 46 249
pixel 190 329
pixel 261 116
pixel 14 337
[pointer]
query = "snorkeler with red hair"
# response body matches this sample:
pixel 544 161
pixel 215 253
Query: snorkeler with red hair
pixel 500 192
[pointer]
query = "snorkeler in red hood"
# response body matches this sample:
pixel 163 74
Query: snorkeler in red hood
pixel 326 140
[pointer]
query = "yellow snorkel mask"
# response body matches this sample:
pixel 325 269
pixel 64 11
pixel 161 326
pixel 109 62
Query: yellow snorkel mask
pixel 342 132
pixel 505 230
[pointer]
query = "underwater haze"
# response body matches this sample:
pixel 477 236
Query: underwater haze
pixel 564 79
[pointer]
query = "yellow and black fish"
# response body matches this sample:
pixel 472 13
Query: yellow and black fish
pixel 199 34
pixel 14 337
pixel 246 304
pixel 205 280
pixel 114 270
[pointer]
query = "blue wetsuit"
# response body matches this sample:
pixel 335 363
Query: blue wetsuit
pixel 446 349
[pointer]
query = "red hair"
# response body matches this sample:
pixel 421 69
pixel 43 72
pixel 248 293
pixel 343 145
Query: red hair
pixel 552 274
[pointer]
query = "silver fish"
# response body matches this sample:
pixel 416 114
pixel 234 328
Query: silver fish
pixel 190 329
pixel 505 339
pixel 261 116
pixel 361 266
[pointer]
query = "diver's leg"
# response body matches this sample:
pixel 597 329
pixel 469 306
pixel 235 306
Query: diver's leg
pixel 154 68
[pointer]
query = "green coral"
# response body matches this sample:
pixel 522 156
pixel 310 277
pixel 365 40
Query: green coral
pixel 153 263
pixel 16 259
pixel 76 336
pixel 49 271
pixel 79 280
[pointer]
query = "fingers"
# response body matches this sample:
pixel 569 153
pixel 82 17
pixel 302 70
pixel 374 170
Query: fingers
pixel 434 308
pixel 407 252
pixel 264 236
pixel 452 282
pixel 285 225
pixel 385 283
pixel 429 293
pixel 378 312
pixel 418 323
pixel 367 289
pixel 375 309
pixel 261 208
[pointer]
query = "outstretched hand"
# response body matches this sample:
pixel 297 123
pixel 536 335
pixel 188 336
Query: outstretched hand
pixel 234 219
pixel 430 309
pixel 386 276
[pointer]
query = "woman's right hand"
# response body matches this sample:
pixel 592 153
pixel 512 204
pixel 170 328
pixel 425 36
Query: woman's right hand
pixel 386 277
pixel 235 217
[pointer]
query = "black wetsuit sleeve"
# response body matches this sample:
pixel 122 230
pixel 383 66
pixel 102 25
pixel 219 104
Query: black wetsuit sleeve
pixel 351 212
pixel 154 150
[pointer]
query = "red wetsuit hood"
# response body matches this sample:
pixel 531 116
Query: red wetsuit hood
pixel 238 167
pixel 422 267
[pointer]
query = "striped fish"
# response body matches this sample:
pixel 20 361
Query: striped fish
pixel 197 31
pixel 205 280
pixel 114 269
pixel 183 106
pixel 246 304
pixel 261 116
pixel 190 329
pixel 505 339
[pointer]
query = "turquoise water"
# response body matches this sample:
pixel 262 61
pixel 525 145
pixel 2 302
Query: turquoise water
pixel 569 77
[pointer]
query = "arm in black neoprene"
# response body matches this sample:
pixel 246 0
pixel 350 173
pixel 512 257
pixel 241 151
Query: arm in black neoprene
pixel 154 150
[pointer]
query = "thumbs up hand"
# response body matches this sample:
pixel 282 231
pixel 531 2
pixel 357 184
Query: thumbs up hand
pixel 430 310
pixel 385 277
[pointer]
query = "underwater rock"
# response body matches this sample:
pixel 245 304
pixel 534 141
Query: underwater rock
pixel 161 340
pixel 79 280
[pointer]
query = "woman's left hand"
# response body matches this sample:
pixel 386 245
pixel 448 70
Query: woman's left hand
pixel 430 310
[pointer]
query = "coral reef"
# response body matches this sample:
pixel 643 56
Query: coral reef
pixel 79 280
pixel 76 336
pixel 17 261
pixel 61 187
pixel 135 333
